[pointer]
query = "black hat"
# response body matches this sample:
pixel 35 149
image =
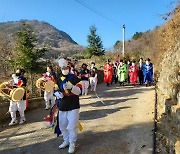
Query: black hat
pixel 148 59
pixel 108 61
pixel 84 64
pixel 134 61
pixel 93 62
pixel 22 70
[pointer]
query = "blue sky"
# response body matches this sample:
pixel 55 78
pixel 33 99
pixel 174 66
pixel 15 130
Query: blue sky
pixel 75 19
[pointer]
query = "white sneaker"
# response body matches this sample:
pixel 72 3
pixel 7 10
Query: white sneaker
pixel 71 148
pixel 13 122
pixel 64 145
pixel 47 108
pixel 22 121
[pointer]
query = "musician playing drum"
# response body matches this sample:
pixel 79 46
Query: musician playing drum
pixel 48 96
pixel 18 81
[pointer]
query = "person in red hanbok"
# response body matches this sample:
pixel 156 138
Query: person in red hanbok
pixel 133 72
pixel 107 73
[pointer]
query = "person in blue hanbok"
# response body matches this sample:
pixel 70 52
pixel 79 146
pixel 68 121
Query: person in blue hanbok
pixel 148 72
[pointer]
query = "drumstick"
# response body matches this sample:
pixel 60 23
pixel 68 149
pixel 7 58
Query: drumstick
pixel 7 112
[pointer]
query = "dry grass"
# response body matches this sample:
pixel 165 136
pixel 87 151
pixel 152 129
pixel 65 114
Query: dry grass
pixel 168 34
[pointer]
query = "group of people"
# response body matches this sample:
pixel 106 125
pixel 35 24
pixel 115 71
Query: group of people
pixel 67 88
pixel 70 84
pixel 130 72
pixel 87 76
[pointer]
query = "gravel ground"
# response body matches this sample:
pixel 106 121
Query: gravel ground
pixel 120 121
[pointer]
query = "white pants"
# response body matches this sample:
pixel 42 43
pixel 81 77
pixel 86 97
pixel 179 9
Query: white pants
pixel 49 97
pixel 93 83
pixel 68 121
pixel 17 106
pixel 85 85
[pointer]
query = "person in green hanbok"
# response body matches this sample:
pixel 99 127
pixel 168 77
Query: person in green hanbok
pixel 121 72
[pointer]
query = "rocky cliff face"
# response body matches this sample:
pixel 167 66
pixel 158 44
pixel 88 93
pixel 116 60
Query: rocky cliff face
pixel 168 86
pixel 168 101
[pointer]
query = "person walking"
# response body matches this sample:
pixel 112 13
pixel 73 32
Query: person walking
pixel 48 96
pixel 18 81
pixel 140 71
pixel 93 76
pixel 148 72
pixel 107 69
pixel 121 72
pixel 84 75
pixel 67 99
pixel 133 72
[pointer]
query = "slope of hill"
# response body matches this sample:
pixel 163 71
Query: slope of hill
pixel 142 46
pixel 47 34
pixel 168 86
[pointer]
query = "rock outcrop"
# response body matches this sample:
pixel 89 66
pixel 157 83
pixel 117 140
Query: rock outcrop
pixel 168 86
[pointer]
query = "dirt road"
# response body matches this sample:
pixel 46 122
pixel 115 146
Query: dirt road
pixel 120 121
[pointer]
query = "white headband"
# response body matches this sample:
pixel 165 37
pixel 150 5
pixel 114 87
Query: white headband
pixel 62 62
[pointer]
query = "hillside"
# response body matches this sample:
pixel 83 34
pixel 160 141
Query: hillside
pixel 167 42
pixel 168 85
pixel 60 42
pixel 140 45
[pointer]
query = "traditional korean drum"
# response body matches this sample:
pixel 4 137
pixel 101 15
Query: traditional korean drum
pixel 7 90
pixel 47 86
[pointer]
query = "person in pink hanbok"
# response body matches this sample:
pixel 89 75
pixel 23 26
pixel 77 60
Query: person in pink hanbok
pixel 133 72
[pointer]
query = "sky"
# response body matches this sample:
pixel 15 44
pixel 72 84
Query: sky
pixel 76 16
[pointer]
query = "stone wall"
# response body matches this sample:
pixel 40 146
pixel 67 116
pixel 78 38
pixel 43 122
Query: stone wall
pixel 168 90
pixel 168 102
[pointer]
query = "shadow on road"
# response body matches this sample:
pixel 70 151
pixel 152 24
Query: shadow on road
pixel 17 134
pixel 32 116
pixel 107 102
pixel 104 91
pixel 95 114
pixel 100 138
pixel 120 141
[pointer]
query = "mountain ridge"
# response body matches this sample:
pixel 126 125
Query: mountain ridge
pixel 46 33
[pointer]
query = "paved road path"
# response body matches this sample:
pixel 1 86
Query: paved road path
pixel 120 121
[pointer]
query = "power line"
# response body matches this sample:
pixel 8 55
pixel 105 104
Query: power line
pixel 95 11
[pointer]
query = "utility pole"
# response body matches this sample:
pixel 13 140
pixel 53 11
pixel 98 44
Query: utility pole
pixel 123 35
